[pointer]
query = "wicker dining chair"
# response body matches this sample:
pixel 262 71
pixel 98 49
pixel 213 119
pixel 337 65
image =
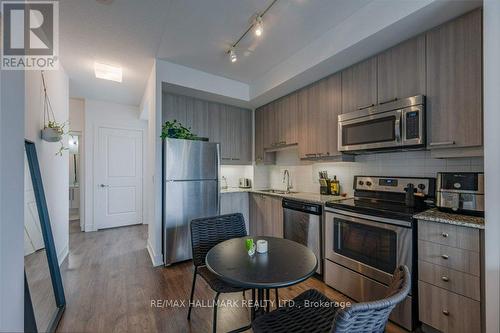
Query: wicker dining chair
pixel 205 234
pixel 366 317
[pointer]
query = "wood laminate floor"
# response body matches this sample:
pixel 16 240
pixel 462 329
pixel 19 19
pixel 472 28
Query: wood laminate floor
pixel 110 286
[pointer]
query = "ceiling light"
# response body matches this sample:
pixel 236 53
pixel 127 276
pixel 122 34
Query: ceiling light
pixel 258 26
pixel 232 55
pixel 107 72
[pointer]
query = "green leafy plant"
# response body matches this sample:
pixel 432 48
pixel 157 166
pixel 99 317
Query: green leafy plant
pixel 174 129
pixel 59 128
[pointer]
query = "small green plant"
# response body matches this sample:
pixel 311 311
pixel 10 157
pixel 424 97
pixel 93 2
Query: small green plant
pixel 174 130
pixel 59 128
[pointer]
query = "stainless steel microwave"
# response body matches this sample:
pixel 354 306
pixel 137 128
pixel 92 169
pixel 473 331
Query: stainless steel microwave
pixel 395 125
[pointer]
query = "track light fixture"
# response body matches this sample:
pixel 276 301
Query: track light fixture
pixel 232 55
pixel 258 28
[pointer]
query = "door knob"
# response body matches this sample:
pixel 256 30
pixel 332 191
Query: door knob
pixel 103 185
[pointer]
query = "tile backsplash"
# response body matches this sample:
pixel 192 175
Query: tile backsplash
pixel 304 175
pixel 234 172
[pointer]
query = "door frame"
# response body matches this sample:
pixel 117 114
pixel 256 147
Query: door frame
pixel 95 151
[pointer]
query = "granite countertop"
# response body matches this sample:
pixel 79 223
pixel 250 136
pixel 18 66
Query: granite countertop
pixel 302 196
pixel 435 215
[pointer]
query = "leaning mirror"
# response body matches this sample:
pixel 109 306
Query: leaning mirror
pixel 44 294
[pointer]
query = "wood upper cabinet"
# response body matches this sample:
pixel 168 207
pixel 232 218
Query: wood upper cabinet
pixel 285 118
pixel 359 85
pixel 259 135
pixel 319 106
pixel 401 70
pixel 454 83
pixel 266 215
pixel 228 125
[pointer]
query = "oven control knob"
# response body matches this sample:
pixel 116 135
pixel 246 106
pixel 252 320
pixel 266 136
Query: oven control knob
pixel 421 186
pixel 368 183
pixel 361 183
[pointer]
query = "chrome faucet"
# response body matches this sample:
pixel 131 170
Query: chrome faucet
pixel 286 174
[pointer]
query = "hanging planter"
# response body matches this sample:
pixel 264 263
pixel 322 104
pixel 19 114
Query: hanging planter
pixel 52 131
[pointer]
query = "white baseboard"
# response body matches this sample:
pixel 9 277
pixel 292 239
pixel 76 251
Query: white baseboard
pixel 156 259
pixel 61 256
pixel 89 228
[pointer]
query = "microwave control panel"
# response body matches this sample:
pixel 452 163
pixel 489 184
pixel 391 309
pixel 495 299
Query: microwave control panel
pixel 412 123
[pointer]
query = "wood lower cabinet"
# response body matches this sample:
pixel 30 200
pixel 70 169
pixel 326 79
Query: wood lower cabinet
pixel 359 86
pixel 228 125
pixel 447 311
pixel 454 84
pixel 449 277
pixel 401 71
pixel 266 215
pixel 236 202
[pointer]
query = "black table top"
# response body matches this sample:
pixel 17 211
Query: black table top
pixel 285 263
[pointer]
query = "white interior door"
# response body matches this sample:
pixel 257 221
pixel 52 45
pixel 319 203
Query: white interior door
pixel 118 178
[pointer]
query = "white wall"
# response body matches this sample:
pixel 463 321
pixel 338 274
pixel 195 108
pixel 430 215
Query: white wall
pixel 99 113
pixel 12 106
pixel 76 114
pixel 304 175
pixel 54 168
pixel 491 83
pixel 195 79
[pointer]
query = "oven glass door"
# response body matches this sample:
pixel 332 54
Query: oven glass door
pixel 377 131
pixel 372 246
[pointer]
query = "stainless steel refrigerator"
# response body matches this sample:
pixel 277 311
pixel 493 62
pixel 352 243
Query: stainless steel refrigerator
pixel 190 190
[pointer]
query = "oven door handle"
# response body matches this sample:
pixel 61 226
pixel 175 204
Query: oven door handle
pixel 397 126
pixel 370 220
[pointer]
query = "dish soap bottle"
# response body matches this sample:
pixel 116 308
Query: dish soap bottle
pixel 335 186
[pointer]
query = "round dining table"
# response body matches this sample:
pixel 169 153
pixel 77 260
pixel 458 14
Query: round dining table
pixel 284 264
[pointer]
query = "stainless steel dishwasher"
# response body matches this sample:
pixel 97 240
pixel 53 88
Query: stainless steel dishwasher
pixel 302 224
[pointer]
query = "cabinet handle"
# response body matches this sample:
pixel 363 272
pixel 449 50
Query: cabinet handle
pixel 442 143
pixel 389 100
pixel 226 159
pixel 445 278
pixel 445 256
pixel 365 107
pixel 446 312
pixel 445 235
pixel 235 159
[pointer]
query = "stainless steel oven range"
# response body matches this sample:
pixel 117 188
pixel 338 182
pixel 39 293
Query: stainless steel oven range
pixel 368 236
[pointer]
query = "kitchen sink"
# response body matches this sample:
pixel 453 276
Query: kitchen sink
pixel 277 191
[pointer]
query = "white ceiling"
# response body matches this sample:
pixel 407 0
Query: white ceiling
pixel 125 33
pixel 196 34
